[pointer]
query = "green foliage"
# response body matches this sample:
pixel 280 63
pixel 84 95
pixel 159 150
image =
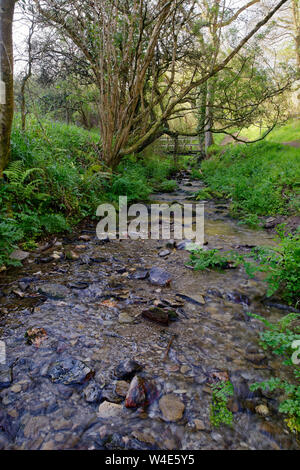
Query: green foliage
pixel 204 259
pixel 281 265
pixel 219 412
pixel 261 179
pixel 167 186
pixel 10 234
pixel 279 338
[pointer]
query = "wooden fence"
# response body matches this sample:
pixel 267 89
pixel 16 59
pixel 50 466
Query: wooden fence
pixel 184 145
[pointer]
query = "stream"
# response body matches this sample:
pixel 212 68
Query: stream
pixel 63 386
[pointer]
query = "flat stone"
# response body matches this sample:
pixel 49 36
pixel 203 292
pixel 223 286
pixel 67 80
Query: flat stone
pixel 140 274
pixel 54 291
pixel 110 410
pixel 19 255
pixel 164 253
pixel 197 299
pixel 125 318
pixel 159 277
pixel 171 407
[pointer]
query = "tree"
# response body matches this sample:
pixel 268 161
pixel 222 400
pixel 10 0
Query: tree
pixel 136 51
pixel 6 57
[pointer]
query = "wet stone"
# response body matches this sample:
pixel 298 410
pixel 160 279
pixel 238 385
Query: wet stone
pixel 171 407
pixel 92 393
pixel 164 253
pixel 127 369
pixel 140 274
pixel 159 277
pixel 157 315
pixel 110 410
pixel 142 392
pixel 54 291
pixel 68 371
pixel 5 376
pixel 125 318
pixel 122 388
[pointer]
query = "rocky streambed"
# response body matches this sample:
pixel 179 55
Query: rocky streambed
pixel 91 326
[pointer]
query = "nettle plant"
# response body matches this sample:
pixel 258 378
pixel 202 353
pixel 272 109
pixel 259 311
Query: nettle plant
pixel 280 338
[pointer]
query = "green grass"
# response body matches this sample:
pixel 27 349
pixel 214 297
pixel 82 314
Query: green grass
pixel 284 133
pixel 261 179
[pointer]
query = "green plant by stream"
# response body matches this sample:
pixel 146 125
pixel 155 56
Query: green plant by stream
pixel 219 412
pixel 56 178
pixel 280 337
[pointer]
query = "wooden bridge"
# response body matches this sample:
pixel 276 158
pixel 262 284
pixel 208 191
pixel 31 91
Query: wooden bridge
pixel 182 145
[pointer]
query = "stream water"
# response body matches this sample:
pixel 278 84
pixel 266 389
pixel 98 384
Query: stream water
pixel 89 312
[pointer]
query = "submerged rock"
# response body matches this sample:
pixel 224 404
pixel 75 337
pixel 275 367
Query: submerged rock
pixel 125 318
pixel 69 372
pixel 121 388
pixel 92 393
pixel 171 407
pixel 238 298
pixel 110 410
pixel 159 277
pixel 5 376
pixel 141 393
pixel 35 336
pixel 54 291
pixel 127 369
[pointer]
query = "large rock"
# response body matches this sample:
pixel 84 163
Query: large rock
pixel 159 277
pixel 141 393
pixel 127 369
pixel 68 371
pixel 54 291
pixel 171 407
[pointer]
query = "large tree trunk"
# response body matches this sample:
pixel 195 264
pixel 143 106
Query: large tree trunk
pixel 209 140
pixel 6 58
pixel 202 119
pixel 296 17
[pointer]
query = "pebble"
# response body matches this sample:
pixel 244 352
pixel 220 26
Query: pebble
pixel 171 407
pixel 122 388
pixel 262 410
pixel 199 425
pixel 110 410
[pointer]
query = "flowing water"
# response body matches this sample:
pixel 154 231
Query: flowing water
pixel 96 318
